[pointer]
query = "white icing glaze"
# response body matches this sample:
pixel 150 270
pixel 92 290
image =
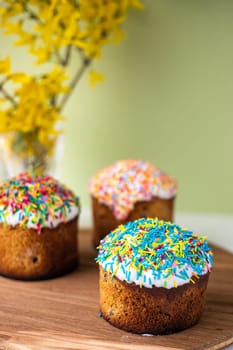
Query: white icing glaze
pixel 172 281
pixel 51 222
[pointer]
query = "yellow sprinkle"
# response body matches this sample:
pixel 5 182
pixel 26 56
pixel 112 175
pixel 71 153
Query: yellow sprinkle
pixel 195 275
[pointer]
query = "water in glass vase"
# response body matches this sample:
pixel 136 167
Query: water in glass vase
pixel 37 159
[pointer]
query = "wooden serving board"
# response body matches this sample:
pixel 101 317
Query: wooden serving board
pixel 63 313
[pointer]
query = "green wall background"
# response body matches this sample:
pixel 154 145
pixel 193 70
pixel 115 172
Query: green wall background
pixel 167 98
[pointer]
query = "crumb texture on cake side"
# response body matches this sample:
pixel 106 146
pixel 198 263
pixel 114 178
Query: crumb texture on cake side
pixel 152 311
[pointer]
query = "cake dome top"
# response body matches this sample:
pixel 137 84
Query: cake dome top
pixel 126 182
pixel 36 202
pixel 154 252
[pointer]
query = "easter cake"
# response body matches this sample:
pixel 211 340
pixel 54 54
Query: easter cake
pixel 127 190
pixel 38 228
pixel 153 276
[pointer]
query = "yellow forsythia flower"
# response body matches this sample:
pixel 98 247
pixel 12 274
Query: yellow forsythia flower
pixel 20 78
pixel 137 4
pixel 5 66
pixel 95 77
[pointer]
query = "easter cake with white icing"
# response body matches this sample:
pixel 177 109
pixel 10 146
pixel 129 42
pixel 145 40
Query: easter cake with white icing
pixel 38 227
pixel 153 276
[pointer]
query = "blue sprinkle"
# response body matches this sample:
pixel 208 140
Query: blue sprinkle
pixel 122 267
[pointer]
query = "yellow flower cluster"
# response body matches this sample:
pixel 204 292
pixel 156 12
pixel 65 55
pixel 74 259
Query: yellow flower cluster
pixel 32 107
pixel 56 24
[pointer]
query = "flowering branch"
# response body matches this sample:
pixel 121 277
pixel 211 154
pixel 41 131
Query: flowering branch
pixel 53 30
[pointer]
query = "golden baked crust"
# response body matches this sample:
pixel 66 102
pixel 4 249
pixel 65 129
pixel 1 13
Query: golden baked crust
pixel 27 255
pixel 105 221
pixel 151 310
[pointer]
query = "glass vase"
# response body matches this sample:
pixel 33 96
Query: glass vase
pixel 12 163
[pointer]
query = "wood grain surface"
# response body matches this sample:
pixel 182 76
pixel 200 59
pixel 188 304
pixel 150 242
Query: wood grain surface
pixel 63 313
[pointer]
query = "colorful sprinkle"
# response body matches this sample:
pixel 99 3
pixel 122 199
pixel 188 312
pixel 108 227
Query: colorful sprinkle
pixel 124 183
pixel 154 252
pixel 36 202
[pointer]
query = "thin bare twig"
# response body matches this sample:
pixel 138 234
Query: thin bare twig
pixel 64 61
pixel 74 81
pixel 7 95
pixel 67 56
pixel 32 14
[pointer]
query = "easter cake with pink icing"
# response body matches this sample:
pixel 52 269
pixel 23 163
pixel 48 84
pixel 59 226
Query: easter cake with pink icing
pixel 127 190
